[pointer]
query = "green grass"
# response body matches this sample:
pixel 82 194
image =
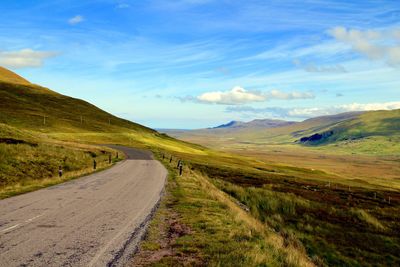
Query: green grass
pixel 33 163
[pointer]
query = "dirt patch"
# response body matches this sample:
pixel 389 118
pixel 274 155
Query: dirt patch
pixel 170 229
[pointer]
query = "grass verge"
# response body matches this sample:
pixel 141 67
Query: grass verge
pixel 197 224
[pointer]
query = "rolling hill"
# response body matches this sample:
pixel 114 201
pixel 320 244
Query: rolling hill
pixel 378 127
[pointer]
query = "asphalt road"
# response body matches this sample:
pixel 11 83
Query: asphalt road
pixel 96 220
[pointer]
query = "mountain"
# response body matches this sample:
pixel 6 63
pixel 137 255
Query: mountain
pixel 231 124
pixel 258 123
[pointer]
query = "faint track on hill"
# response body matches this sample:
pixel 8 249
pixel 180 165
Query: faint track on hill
pixel 96 220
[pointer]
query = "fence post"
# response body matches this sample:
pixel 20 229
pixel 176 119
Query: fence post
pixel 179 163
pixel 60 171
pixel 94 164
pixel 180 170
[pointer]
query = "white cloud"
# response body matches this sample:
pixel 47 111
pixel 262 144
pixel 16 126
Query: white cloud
pixel 376 45
pixel 237 95
pixel 309 112
pixel 75 20
pixel 24 58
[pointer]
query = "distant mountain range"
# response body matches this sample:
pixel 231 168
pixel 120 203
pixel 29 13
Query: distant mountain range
pixel 314 131
pixel 259 123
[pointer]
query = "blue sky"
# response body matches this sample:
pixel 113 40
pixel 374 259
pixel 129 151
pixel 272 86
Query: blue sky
pixel 200 63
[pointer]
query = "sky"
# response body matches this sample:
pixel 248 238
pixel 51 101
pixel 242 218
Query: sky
pixel 199 63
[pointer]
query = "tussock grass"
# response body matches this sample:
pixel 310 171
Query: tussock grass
pixel 291 250
pixel 222 234
pixel 364 216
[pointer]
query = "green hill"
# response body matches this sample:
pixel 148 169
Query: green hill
pixel 33 107
pixel 368 124
pixel 41 130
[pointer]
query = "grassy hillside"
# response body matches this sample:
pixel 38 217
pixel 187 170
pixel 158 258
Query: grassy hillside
pixel 33 107
pixel 11 77
pixel 374 123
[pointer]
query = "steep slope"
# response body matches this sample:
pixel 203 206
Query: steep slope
pixel 11 77
pixel 37 108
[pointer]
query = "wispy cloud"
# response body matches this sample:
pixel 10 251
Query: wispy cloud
pixel 76 20
pixel 309 112
pixel 276 94
pixel 375 44
pixel 24 58
pixel 311 67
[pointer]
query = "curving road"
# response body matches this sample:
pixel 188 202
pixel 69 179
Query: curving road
pixel 95 220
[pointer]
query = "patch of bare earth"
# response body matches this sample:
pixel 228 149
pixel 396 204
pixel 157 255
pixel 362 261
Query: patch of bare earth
pixel 170 229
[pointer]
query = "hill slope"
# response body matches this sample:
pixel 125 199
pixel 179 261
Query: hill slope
pixel 373 123
pixel 33 107
pixel 11 77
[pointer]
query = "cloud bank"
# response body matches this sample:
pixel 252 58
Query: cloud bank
pixel 278 112
pixel 24 58
pixel 376 45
